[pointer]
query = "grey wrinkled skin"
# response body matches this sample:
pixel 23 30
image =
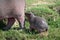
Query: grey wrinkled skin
pixel 37 22
pixel 11 10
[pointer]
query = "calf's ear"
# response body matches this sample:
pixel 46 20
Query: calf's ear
pixel 27 14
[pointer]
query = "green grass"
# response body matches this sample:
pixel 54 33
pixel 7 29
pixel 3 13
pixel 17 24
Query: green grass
pixel 54 34
pixel 43 10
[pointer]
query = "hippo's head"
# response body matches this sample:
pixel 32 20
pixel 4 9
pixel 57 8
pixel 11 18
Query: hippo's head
pixel 29 14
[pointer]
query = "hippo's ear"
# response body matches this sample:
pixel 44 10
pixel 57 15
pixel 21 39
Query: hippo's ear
pixel 27 14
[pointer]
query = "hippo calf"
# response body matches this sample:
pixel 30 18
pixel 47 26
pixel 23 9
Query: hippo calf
pixel 36 22
pixel 11 10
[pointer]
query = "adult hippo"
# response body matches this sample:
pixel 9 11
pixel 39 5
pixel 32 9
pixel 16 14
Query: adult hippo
pixel 12 9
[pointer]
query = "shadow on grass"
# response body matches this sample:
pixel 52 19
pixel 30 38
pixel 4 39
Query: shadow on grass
pixel 27 31
pixel 30 31
pixel 2 24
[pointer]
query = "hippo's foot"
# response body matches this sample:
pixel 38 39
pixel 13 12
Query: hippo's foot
pixel 21 28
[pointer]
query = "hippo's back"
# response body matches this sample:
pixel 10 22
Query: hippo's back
pixel 40 22
pixel 11 8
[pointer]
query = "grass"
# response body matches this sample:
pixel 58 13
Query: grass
pixel 43 10
pixel 54 34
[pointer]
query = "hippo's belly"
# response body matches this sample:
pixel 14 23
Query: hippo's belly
pixel 11 8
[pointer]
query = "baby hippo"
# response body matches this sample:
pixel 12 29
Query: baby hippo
pixel 37 23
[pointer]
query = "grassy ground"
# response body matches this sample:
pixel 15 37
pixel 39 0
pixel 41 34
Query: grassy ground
pixel 43 10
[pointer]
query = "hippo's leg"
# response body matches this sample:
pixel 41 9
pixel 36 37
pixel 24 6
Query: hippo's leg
pixel 21 21
pixel 31 28
pixel 41 30
pixel 9 24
